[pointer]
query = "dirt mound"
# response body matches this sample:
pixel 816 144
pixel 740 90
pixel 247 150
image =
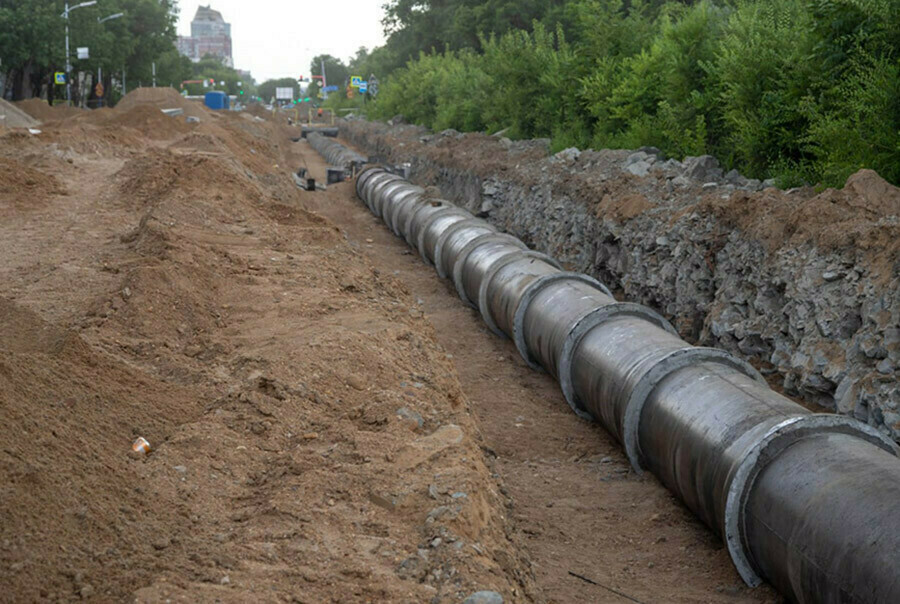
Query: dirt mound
pixel 69 417
pixel 197 141
pixel 161 98
pixel 858 215
pixel 22 187
pixel 158 175
pixel 149 121
pixel 40 110
pixel 13 117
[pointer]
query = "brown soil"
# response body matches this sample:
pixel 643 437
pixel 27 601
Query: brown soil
pixel 23 187
pixel 310 440
pixel 41 110
pixel 162 98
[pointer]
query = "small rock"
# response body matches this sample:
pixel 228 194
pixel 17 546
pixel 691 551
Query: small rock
pixel 885 367
pixel 831 275
pixel 410 415
pixel 354 380
pixel 484 597
pixel 180 469
pixel 225 580
pixel 86 591
pixel 459 495
pixel 161 543
pixel 704 167
pixel 709 185
pixel 436 542
pixel 769 182
pixel 641 168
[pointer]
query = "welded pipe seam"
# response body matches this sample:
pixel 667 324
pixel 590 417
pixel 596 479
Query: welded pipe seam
pixel 672 362
pixel 483 305
pixel 767 447
pixel 533 289
pixel 588 322
pixel 459 263
pixel 452 230
pixel 423 230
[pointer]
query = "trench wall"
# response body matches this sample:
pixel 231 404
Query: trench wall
pixel 804 285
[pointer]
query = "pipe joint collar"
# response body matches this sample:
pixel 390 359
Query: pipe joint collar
pixel 448 232
pixel 502 261
pixel 457 270
pixel 533 289
pixel 423 228
pixel 589 321
pixel 648 382
pixel 757 457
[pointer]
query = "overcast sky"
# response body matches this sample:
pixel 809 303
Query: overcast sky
pixel 279 38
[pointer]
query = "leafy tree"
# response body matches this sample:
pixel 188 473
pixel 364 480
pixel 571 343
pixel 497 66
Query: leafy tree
pixel 32 42
pixel 266 90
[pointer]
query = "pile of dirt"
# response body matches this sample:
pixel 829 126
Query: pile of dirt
pixel 859 215
pixel 197 141
pixel 41 110
pixel 23 187
pixel 69 416
pixel 161 174
pixel 149 121
pixel 13 117
pixel 162 98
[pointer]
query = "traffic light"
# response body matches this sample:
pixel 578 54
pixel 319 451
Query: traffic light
pixel 242 92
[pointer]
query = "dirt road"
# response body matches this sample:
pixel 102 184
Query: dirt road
pixel 576 503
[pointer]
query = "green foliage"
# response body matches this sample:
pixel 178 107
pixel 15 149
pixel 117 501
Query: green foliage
pixel 212 68
pixel 266 90
pixel 862 129
pixel 763 72
pixel 800 90
pixel 32 41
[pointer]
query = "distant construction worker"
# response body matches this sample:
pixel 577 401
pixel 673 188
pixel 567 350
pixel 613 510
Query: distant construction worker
pixel 319 112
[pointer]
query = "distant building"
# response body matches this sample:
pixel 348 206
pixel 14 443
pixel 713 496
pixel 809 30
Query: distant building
pixel 210 35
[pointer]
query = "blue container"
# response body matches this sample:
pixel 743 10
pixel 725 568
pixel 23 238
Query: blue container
pixel 216 100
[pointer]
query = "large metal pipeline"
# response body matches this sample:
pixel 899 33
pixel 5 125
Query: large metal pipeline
pixel 809 502
pixel 337 154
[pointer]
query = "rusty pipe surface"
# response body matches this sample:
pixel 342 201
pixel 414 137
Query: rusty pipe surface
pixel 809 502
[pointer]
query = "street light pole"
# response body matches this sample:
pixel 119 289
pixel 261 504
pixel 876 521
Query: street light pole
pixel 65 15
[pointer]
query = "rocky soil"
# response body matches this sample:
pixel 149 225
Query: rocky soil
pixel 803 284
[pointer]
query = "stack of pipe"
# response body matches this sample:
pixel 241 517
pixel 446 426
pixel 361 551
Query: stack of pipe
pixel 334 152
pixel 809 502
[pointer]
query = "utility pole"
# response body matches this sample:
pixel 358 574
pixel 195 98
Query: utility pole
pixel 153 67
pixel 65 15
pixel 324 81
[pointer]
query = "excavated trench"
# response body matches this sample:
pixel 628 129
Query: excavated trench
pixel 802 500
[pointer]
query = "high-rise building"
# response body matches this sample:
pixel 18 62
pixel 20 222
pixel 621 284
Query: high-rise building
pixel 210 35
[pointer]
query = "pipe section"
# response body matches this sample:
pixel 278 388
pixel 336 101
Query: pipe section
pixel 809 502
pixel 337 154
